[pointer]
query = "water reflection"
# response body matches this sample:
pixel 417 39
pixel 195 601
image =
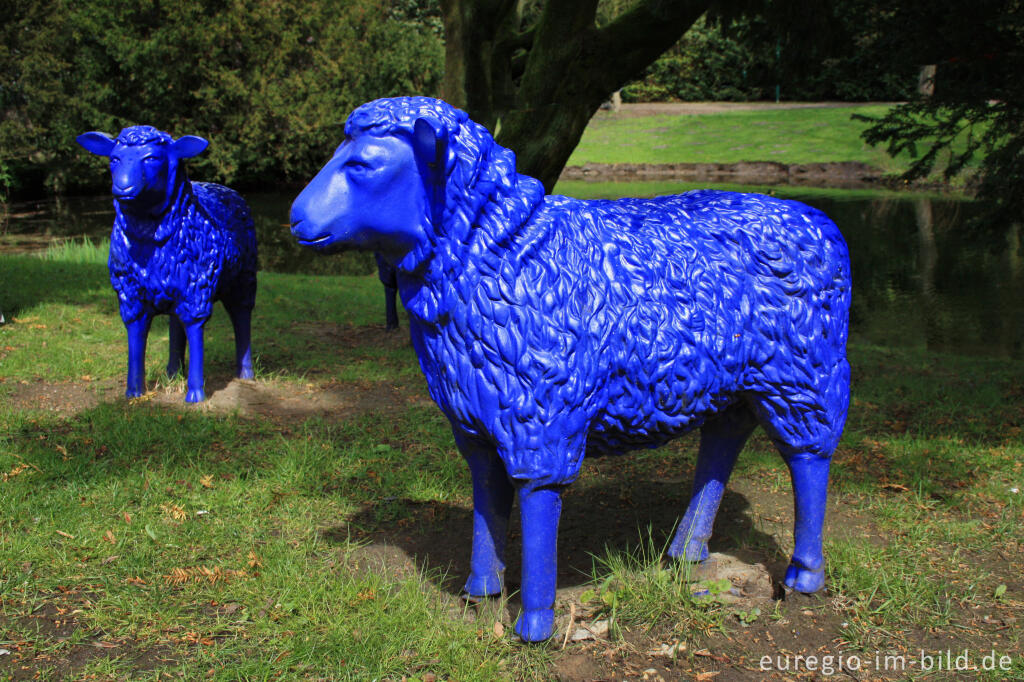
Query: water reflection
pixel 920 279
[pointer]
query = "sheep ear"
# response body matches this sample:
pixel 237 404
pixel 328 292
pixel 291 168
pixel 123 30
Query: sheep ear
pixel 188 146
pixel 96 142
pixel 430 144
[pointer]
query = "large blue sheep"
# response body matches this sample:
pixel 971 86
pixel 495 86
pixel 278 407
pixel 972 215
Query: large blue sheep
pixel 176 247
pixel 551 328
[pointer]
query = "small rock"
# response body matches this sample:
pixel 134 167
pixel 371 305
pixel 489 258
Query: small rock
pixel 5 652
pixel 582 635
pixel 667 650
pixel 807 612
pixel 593 631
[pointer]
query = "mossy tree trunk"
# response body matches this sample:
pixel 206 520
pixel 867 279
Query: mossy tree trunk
pixel 537 80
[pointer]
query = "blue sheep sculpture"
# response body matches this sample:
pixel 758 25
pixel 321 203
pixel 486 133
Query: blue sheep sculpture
pixel 389 278
pixel 176 247
pixel 550 328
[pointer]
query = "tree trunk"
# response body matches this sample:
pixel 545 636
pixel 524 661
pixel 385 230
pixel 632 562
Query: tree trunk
pixel 537 86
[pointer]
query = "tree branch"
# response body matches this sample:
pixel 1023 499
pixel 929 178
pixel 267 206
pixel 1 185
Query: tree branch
pixel 635 39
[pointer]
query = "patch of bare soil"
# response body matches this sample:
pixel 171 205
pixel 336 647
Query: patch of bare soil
pixel 68 649
pixel 64 398
pixel 290 402
pixel 279 400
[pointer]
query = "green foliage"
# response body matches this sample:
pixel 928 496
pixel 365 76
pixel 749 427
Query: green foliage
pixel 706 64
pixel 269 84
pixel 973 120
pixel 826 51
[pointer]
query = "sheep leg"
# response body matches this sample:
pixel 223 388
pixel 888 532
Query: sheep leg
pixel 539 509
pixel 806 572
pixel 492 504
pixel 721 440
pixel 241 321
pixel 194 334
pixel 390 308
pixel 138 331
pixel 176 346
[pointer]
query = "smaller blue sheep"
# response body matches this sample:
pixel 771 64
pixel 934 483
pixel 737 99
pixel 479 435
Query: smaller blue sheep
pixel 176 247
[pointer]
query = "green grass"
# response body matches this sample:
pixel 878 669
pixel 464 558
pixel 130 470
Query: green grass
pixel 85 252
pixel 786 136
pixel 191 543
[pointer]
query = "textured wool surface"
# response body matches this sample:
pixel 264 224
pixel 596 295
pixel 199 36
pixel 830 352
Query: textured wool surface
pixel 553 327
pixel 203 250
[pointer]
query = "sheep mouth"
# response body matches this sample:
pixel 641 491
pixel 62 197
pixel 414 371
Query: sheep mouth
pixel 316 241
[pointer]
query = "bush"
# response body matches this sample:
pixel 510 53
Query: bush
pixel 269 84
pixel 840 52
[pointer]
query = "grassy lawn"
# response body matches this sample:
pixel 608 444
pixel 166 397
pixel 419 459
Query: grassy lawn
pixel 786 136
pixel 319 528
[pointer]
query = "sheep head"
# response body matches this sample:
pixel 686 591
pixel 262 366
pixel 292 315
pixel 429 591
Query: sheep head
pixel 145 171
pixel 377 193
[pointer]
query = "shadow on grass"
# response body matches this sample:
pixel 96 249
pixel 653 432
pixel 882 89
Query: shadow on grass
pixel 30 281
pixel 596 520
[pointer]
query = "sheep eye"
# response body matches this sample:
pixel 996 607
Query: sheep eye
pixel 151 160
pixel 358 165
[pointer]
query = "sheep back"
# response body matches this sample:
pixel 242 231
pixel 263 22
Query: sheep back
pixel 621 324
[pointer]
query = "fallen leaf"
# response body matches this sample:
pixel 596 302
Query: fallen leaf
pixel 66 535
pixel 206 481
pixel 127 518
pixel 106 645
pixel 174 511
pixel 110 559
pixel 701 677
pixel 109 537
pixel 499 629
pixel 707 654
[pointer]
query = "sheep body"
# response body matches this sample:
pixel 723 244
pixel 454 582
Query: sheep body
pixel 636 319
pixel 176 247
pixel 549 328
pixel 210 256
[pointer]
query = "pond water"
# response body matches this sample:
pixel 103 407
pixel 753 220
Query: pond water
pixel 920 278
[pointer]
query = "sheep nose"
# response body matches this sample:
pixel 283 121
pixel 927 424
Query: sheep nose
pixel 124 192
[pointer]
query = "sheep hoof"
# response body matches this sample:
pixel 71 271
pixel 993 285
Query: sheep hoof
pixel 173 370
pixel 133 393
pixel 804 579
pixel 245 373
pixel 535 626
pixel 195 395
pixel 483 585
